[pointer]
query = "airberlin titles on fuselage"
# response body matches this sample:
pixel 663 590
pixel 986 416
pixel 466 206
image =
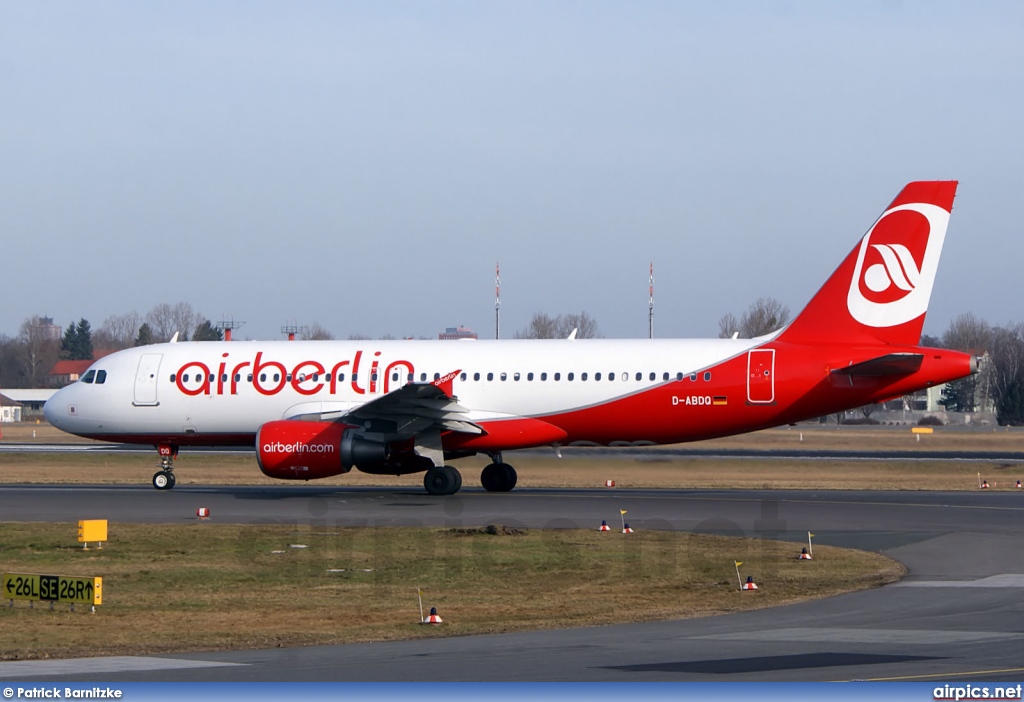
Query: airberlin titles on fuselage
pixel 270 377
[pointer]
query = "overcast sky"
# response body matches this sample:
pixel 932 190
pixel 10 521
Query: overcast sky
pixel 365 165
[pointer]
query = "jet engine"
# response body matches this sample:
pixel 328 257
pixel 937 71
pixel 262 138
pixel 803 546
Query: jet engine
pixel 291 449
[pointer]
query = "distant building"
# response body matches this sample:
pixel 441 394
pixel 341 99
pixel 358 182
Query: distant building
pixel 48 330
pixel 10 410
pixel 456 334
pixel 66 372
pixel 31 400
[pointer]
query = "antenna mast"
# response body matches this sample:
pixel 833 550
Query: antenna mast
pixel 226 326
pixel 650 305
pixel 497 300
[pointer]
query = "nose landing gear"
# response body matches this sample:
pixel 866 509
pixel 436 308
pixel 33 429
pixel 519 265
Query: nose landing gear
pixel 164 478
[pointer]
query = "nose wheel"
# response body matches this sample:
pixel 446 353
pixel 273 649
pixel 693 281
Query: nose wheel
pixel 163 479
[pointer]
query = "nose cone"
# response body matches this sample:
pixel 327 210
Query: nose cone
pixel 57 409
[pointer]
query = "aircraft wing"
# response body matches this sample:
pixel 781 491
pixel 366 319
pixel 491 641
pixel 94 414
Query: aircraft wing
pixel 413 409
pixel 889 364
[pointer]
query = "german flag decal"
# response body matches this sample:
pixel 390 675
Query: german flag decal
pixel 719 400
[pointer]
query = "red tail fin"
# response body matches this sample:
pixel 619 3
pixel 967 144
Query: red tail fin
pixel 880 292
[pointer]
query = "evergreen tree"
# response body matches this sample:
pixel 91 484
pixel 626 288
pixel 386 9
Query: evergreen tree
pixel 145 337
pixel 207 332
pixel 84 334
pixel 69 342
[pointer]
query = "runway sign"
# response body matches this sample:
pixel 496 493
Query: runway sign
pixel 52 588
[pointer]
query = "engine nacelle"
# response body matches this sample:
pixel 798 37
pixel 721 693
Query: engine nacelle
pixel 291 449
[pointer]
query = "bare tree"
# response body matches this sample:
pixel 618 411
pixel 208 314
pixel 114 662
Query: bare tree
pixel 583 323
pixel 39 351
pixel 117 331
pixel 728 325
pixel 358 337
pixel 544 326
pixel 315 332
pixel 763 317
pixel 165 320
pixel 968 333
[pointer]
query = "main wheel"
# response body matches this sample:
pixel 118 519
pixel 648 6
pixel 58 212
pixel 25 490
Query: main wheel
pixel 498 477
pixel 163 480
pixel 442 480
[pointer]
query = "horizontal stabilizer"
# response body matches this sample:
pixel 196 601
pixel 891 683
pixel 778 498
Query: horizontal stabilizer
pixel 890 364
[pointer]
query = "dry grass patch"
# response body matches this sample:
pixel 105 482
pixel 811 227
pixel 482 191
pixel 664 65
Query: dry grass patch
pixel 208 587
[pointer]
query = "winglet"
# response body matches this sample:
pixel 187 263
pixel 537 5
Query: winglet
pixel 445 382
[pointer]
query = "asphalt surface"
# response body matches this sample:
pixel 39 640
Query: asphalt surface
pixel 958 614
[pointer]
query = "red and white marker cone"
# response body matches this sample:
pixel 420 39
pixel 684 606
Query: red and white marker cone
pixel 604 526
pixel 750 584
pixel 984 485
pixel 609 483
pixel 626 529
pixel 434 617
pixel 804 556
pixel 203 512
pixel 1018 485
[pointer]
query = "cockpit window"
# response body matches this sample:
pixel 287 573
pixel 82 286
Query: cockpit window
pixel 89 376
pixel 101 377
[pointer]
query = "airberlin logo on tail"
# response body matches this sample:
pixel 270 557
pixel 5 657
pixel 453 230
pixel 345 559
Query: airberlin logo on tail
pixel 896 264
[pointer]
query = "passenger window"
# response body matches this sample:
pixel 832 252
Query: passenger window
pixel 224 378
pixel 558 376
pixel 707 376
pixel 476 376
pixel 665 376
pixel 693 377
pixel 543 376
pixel 679 376
pixel 287 378
pixel 639 376
pixel 373 377
pixel 184 378
pixel 437 376
pixel 463 376
pixel 316 377
pixel 504 377
pixel 238 376
pixel 611 376
pixel 263 377
pixel 583 376
pixel 423 377
pixel 597 376
pixel 394 377
pixel 410 377
pixel 277 377
pixel 101 377
pixel 355 377
pixel 529 376
pixel 490 376
pixel 172 377
pixel 653 375
pixel 515 377
pixel 341 377
pixel 569 376
pixel 327 377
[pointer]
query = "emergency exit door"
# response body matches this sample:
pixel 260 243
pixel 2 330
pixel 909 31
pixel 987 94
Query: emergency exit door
pixel 761 376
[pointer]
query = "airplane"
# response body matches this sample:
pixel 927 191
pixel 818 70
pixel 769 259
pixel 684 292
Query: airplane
pixel 314 409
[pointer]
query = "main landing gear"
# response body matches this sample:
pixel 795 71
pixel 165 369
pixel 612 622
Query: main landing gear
pixel 442 480
pixel 498 476
pixel 164 478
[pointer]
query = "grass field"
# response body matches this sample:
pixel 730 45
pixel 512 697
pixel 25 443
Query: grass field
pixel 207 587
